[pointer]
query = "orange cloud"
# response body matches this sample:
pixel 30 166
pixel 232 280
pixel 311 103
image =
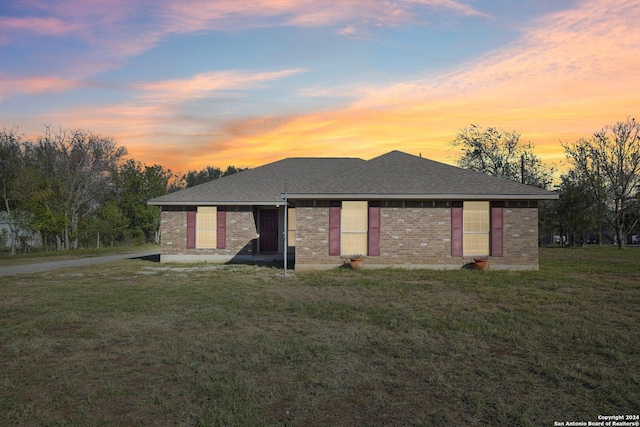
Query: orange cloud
pixel 570 74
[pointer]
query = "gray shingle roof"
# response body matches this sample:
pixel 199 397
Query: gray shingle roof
pixel 260 186
pixel 395 175
pixel 401 175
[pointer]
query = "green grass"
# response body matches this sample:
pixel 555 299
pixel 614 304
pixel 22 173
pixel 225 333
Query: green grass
pixel 138 343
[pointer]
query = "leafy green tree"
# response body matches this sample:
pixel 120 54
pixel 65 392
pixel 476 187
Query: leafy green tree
pixel 609 163
pixel 111 225
pixel 137 183
pixel 578 210
pixel 43 197
pixel 11 165
pixel 498 153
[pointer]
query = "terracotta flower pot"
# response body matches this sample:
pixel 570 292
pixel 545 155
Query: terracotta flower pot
pixel 356 263
pixel 481 264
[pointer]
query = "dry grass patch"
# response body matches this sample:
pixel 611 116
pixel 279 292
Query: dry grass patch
pixel 135 343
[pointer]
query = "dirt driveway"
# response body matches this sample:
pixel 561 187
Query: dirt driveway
pixel 42 267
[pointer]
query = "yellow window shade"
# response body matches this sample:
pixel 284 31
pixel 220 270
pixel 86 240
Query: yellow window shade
pixel 475 227
pixel 206 223
pixel 354 243
pixel 354 226
pixel 476 244
pixel 291 225
pixel 476 217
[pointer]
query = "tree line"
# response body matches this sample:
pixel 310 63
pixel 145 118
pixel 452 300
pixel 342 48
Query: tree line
pixel 599 195
pixel 70 189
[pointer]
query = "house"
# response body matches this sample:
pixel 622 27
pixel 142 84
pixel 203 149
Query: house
pixel 397 209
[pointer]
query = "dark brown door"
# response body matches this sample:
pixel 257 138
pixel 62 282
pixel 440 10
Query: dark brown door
pixel 268 230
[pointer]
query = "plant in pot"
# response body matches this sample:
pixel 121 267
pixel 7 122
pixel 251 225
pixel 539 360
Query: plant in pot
pixel 356 261
pixel 481 262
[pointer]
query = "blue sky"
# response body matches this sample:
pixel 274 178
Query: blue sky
pixel 187 84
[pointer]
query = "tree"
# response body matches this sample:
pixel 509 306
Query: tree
pixel 110 224
pixel 499 153
pixel 11 164
pixel 193 178
pixel 609 162
pixel 578 211
pixel 80 165
pixel 137 183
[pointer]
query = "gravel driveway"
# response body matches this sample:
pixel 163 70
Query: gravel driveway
pixel 42 267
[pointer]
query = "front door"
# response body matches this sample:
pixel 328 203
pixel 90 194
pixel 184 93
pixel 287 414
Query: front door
pixel 268 230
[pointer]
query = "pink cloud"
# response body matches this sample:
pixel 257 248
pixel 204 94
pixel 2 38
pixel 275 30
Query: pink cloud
pixel 114 31
pixel 35 25
pixel 204 14
pixel 568 75
pixel 202 85
pixel 33 85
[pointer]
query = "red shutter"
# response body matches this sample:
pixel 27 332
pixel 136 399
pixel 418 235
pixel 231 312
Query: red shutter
pixel 456 230
pixel 374 229
pixel 334 230
pixel 497 230
pixel 191 229
pixel 221 232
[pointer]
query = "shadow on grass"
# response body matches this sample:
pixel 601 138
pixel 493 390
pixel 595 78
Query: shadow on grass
pixel 150 258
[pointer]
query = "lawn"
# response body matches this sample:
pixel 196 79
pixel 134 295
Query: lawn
pixel 141 343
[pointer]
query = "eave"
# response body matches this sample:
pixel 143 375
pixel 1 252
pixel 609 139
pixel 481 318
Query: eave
pixel 449 196
pixel 218 203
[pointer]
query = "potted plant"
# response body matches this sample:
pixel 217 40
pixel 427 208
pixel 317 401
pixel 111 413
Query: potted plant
pixel 356 261
pixel 481 263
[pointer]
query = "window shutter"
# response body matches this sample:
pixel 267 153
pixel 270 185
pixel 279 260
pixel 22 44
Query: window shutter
pixel 221 234
pixel 456 229
pixel 191 229
pixel 334 230
pixel 374 229
pixel 497 230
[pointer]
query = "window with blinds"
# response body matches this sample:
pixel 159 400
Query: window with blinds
pixel 476 227
pixel 291 227
pixel 354 225
pixel 206 227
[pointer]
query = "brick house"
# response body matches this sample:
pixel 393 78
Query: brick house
pixel 397 209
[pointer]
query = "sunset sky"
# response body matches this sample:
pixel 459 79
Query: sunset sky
pixel 187 84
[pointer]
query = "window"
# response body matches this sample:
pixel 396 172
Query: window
pixel 354 227
pixel 476 227
pixel 291 227
pixel 206 227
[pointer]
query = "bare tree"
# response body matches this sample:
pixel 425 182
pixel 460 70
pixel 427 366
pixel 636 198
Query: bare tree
pixel 499 153
pixel 81 163
pixel 610 163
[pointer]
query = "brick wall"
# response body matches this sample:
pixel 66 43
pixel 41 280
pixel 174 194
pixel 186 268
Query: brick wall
pixel 412 234
pixel 241 232
pixel 312 236
pixel 520 237
pixel 416 234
